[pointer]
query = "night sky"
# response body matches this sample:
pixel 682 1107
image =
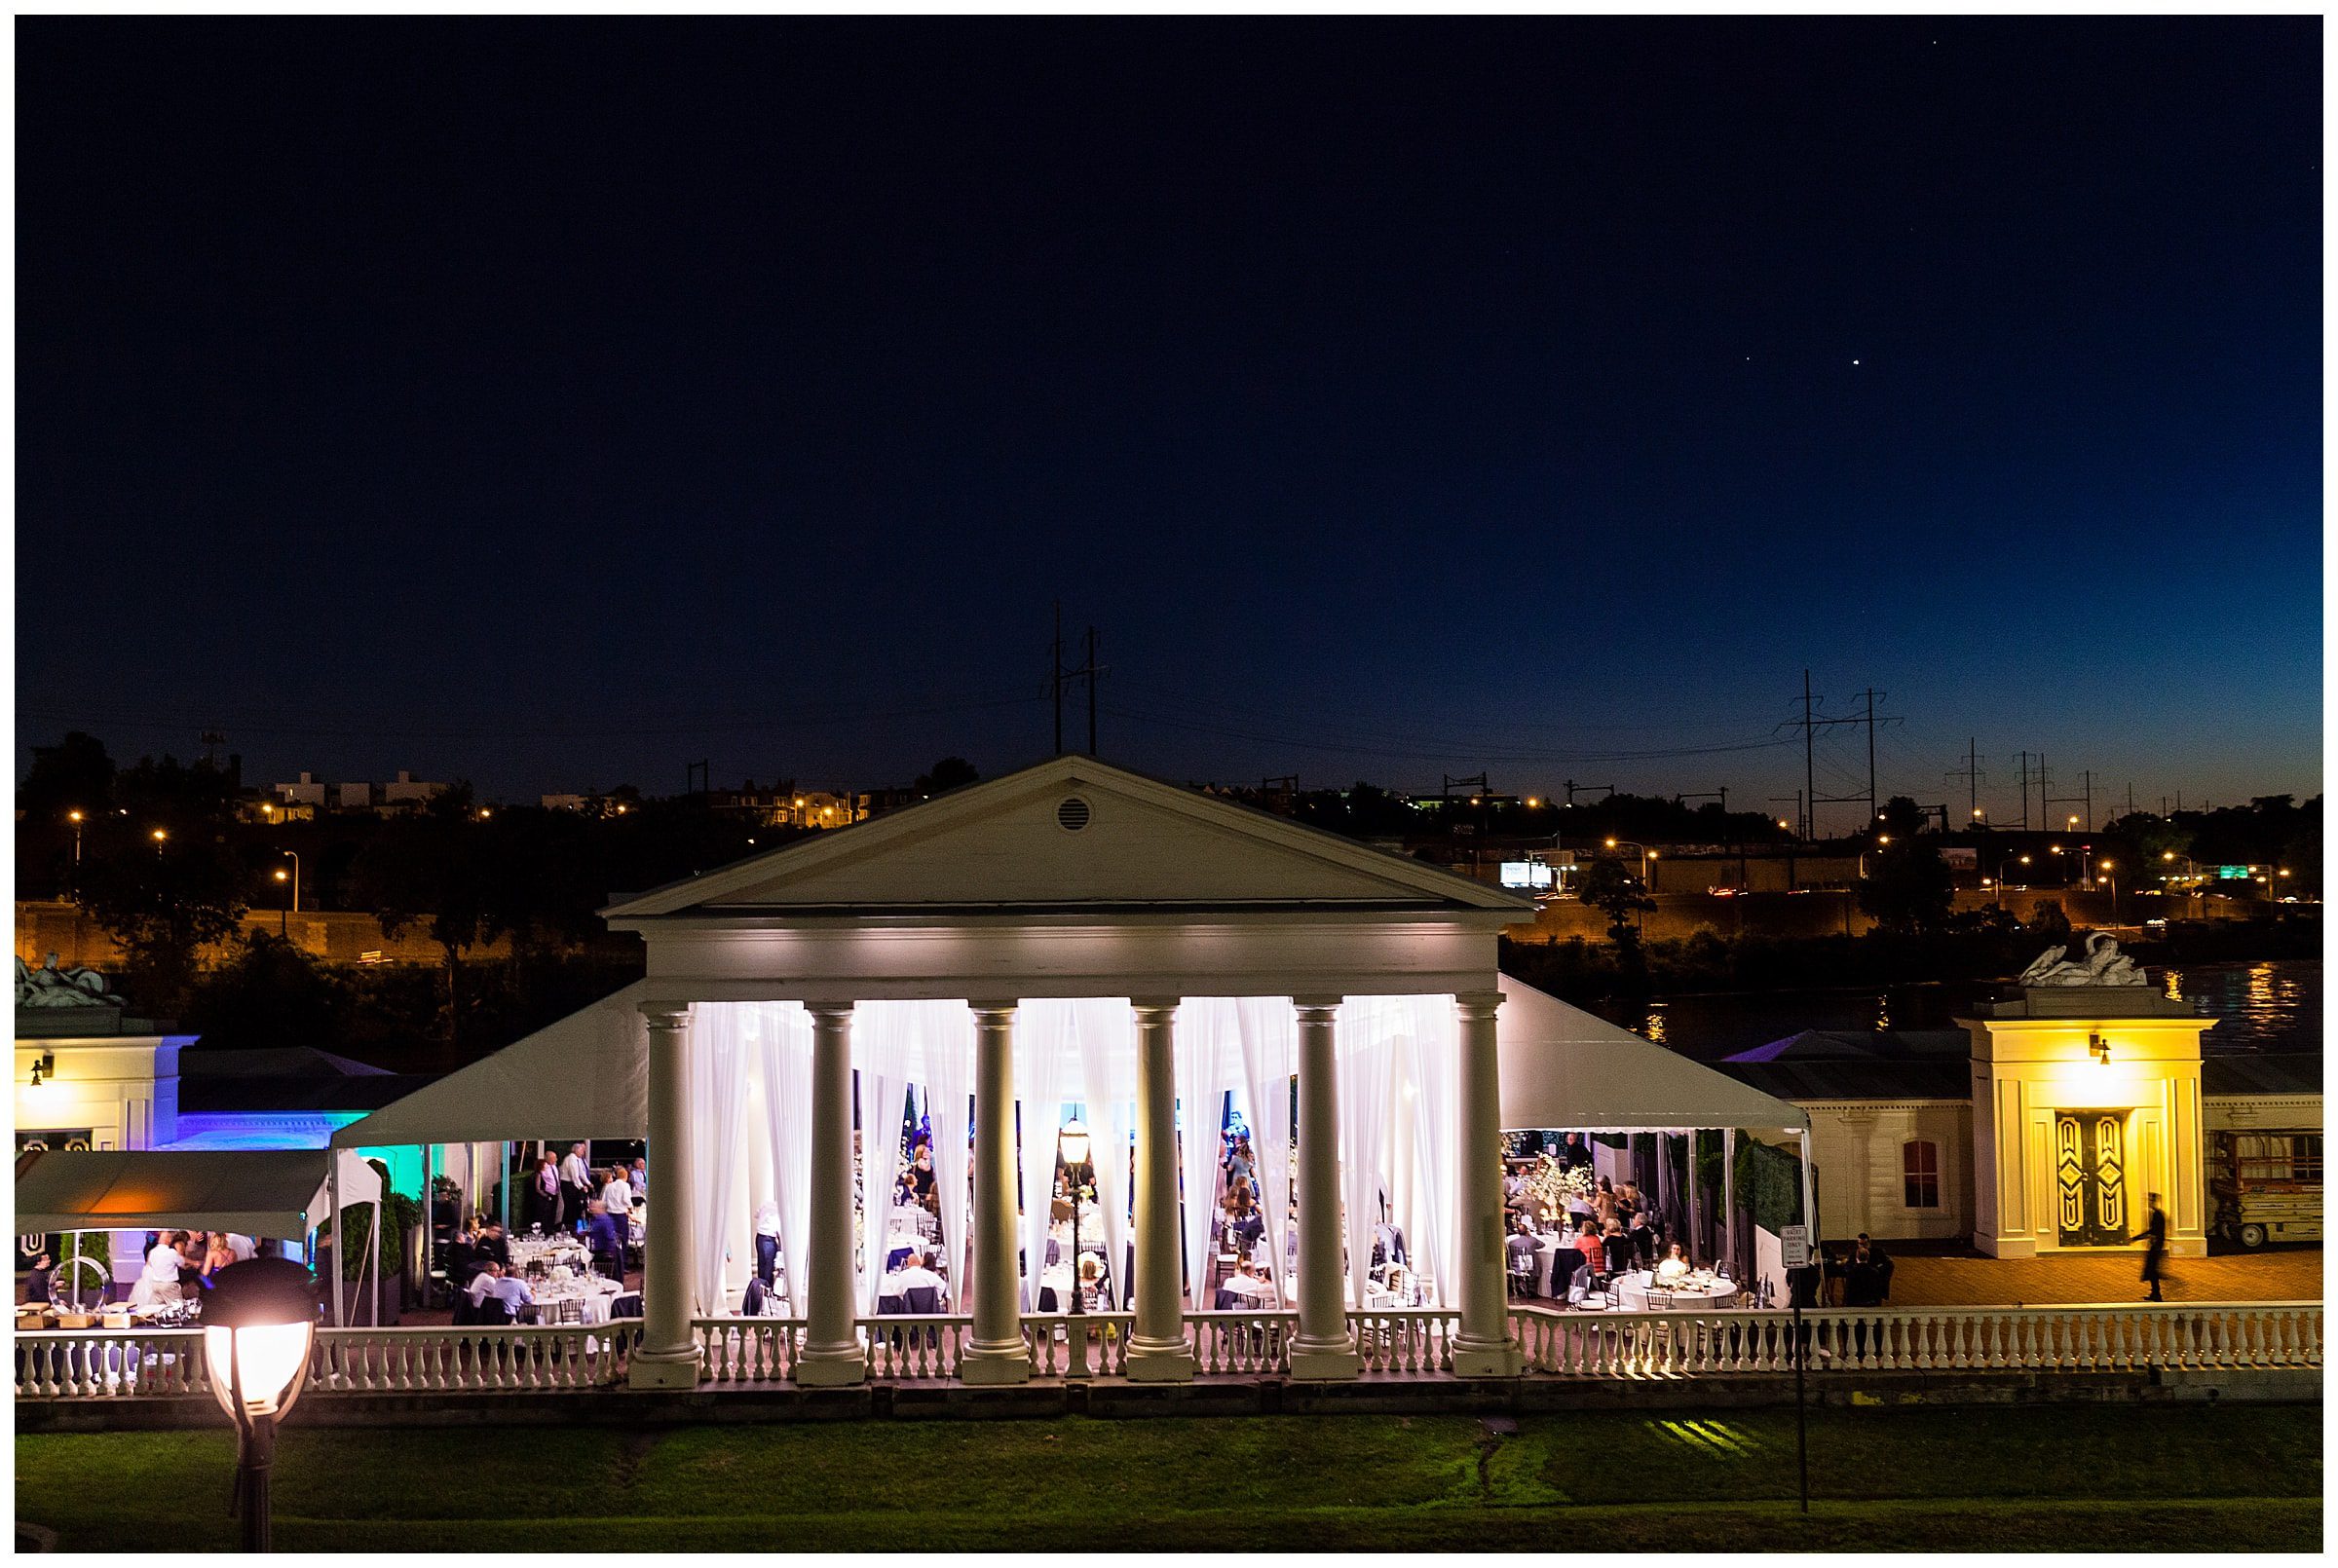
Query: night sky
pixel 556 405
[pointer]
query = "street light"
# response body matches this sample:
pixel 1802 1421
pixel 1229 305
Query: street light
pixel 1072 1143
pixel 74 817
pixel 294 856
pixel 159 835
pixel 259 1327
pixel 1645 855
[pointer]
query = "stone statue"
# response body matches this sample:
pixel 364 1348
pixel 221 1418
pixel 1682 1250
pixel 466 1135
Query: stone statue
pixel 51 987
pixel 2103 965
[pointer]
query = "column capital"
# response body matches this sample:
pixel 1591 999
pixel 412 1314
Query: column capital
pixel 665 1014
pixel 1317 1009
pixel 1155 1008
pixel 994 1012
pixel 1479 1004
pixel 830 1009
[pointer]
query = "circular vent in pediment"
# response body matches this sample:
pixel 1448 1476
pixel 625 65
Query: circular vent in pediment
pixel 1073 815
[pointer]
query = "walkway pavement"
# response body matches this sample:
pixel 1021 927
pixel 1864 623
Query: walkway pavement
pixel 2291 1274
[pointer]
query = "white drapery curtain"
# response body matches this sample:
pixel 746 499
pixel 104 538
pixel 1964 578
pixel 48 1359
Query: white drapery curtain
pixel 1269 1030
pixel 785 1049
pixel 1364 1037
pixel 719 1048
pixel 947 1033
pixel 886 1038
pixel 1398 1057
pixel 1044 1030
pixel 1209 1055
pixel 1108 1064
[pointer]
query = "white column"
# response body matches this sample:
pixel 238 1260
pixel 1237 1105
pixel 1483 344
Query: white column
pixel 332 1177
pixel 1324 1348
pixel 1483 1346
pixel 667 1357
pixel 832 1351
pixel 1156 1345
pixel 996 1353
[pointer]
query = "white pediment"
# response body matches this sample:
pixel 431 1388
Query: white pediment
pixel 1067 834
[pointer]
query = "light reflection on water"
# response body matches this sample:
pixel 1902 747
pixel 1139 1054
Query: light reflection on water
pixel 2264 1006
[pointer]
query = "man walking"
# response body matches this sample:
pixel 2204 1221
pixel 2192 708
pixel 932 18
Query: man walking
pixel 2154 1247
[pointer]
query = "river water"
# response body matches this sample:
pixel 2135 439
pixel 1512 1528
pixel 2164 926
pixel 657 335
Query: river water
pixel 2273 1006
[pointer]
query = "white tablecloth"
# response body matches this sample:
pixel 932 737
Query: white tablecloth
pixel 1689 1295
pixel 596 1295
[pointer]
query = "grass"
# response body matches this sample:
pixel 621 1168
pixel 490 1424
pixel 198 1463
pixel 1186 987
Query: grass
pixel 2072 1478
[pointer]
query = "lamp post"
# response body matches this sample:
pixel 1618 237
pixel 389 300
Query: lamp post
pixel 1072 1144
pixel 75 818
pixel 160 834
pixel 259 1327
pixel 294 856
pixel 2106 867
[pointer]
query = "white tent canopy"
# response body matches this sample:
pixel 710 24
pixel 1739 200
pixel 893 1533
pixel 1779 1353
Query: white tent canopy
pixel 585 1076
pixel 1562 1068
pixel 277 1194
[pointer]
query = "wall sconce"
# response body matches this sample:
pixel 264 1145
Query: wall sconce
pixel 44 1068
pixel 2099 1048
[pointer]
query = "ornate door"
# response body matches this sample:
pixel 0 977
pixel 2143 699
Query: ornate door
pixel 2091 1178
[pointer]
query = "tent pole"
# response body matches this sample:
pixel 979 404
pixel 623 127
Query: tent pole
pixel 332 1186
pixel 428 1218
pixel 505 1186
pixel 1729 1195
pixel 1810 1195
pixel 378 1207
pixel 1696 1195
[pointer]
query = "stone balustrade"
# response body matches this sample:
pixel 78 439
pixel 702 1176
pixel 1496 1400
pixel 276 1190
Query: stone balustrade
pixel 111 1363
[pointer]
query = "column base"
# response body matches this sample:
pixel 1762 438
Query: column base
pixel 2006 1246
pixel 1487 1361
pixel 1334 1362
pixel 994 1365
pixel 830 1367
pixel 1159 1360
pixel 663 1369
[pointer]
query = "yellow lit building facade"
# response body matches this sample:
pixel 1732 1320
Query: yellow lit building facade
pixel 2085 1100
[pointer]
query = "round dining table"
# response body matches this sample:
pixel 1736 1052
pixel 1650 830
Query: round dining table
pixel 1689 1295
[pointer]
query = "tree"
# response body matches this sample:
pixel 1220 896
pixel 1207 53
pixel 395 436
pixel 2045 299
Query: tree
pixel 1610 887
pixel 1908 887
pixel 949 773
pixel 73 776
pixel 162 900
pixel 430 870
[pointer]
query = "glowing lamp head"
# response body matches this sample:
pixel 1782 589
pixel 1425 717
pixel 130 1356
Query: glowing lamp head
pixel 2167 855
pixel 283 876
pixel 72 816
pixel 1073 1140
pixel 160 834
pixel 1883 837
pixel 1612 843
pixel 258 1325
pixel 1651 854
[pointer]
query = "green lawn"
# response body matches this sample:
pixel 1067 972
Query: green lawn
pixel 2127 1479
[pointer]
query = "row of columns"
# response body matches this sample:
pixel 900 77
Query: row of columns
pixel 1157 1351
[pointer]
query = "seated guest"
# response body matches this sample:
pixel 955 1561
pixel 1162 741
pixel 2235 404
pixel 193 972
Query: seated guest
pixel 218 1254
pixel 921 1175
pixel 1587 1242
pixel 1674 1267
pixel 507 1292
pixel 756 1301
pixel 1617 1247
pixel 1519 1250
pixel 915 1278
pixel 37 1283
pixel 607 1242
pixel 1643 1238
pixel 492 1242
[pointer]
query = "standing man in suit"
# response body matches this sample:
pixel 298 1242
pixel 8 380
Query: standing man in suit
pixel 576 1182
pixel 2154 1247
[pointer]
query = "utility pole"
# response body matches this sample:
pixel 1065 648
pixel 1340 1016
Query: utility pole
pixel 1972 774
pixel 1573 786
pixel 2025 792
pixel 1055 664
pixel 1091 673
pixel 1810 777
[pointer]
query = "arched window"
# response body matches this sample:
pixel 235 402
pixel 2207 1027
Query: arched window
pixel 1920 1172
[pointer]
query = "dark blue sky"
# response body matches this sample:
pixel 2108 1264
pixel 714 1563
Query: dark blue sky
pixel 560 403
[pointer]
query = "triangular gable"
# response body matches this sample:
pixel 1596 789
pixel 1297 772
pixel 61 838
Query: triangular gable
pixel 1071 831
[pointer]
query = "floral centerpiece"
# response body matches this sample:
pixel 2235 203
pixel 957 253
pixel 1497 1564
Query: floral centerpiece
pixel 1551 1183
